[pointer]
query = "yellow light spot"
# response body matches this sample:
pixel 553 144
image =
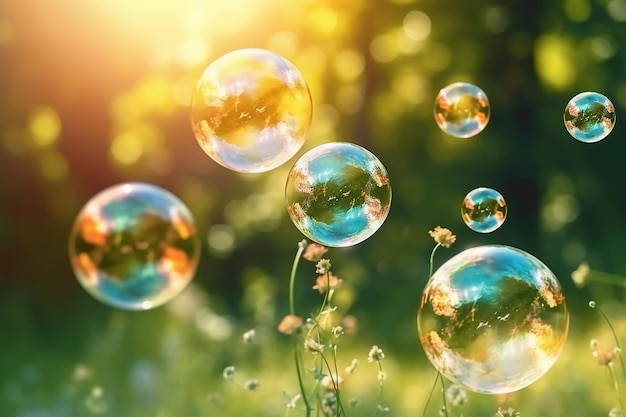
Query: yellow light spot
pixel 54 166
pixel 127 148
pixel 44 125
pixel 284 43
pixel 193 51
pixel 577 10
pixel 384 48
pixel 416 25
pixel 182 89
pixel 410 88
pixel 554 61
pixel 322 20
pixel 349 64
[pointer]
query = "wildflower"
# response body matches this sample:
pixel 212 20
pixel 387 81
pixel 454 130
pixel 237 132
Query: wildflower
pixel 228 372
pixel 381 376
pixel 289 324
pixel 326 282
pixel 332 381
pixel 337 331
pixel 251 384
pixel 604 356
pixel 323 266
pixel 292 401
pixel 615 412
pixel 581 274
pixel 456 395
pixel 354 402
pixel 442 236
pixel 313 346
pixel 509 412
pixel 350 324
pixel 329 400
pixel 592 304
pixel 350 369
pixel 382 409
pixel 376 354
pixel 248 337
pixel 314 252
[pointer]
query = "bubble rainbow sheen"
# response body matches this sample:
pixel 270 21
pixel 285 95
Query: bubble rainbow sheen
pixel 251 110
pixel 338 194
pixel 462 110
pixel 483 210
pixel 493 319
pixel 589 117
pixel 134 246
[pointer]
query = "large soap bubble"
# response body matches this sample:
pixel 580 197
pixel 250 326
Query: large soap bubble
pixel 338 194
pixel 493 319
pixel 251 110
pixel 483 210
pixel 589 117
pixel 134 246
pixel 462 110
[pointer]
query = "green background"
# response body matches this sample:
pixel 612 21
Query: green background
pixel 93 94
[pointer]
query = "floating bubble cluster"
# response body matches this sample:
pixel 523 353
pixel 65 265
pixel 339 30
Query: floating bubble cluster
pixel 251 110
pixel 134 246
pixel 589 117
pixel 338 194
pixel 483 210
pixel 462 110
pixel 493 319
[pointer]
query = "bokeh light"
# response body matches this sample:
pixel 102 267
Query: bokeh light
pixel 493 319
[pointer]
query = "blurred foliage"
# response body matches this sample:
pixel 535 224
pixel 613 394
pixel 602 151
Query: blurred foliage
pixel 96 93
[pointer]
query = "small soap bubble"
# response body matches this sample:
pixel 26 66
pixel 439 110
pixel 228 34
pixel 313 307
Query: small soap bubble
pixel 462 110
pixel 251 110
pixel 493 319
pixel 134 246
pixel 589 117
pixel 338 194
pixel 483 210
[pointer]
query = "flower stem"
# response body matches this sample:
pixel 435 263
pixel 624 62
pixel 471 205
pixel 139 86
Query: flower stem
pixel 616 386
pixel 296 355
pixel 443 394
pixel 606 319
pixel 430 395
pixel 432 257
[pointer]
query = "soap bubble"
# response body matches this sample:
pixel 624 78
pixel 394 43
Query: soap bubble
pixel 493 319
pixel 134 246
pixel 251 110
pixel 483 210
pixel 338 194
pixel 462 110
pixel 589 117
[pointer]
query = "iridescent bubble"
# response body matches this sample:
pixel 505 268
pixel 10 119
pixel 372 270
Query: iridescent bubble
pixel 338 194
pixel 493 319
pixel 251 110
pixel 462 110
pixel 134 246
pixel 483 210
pixel 589 117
